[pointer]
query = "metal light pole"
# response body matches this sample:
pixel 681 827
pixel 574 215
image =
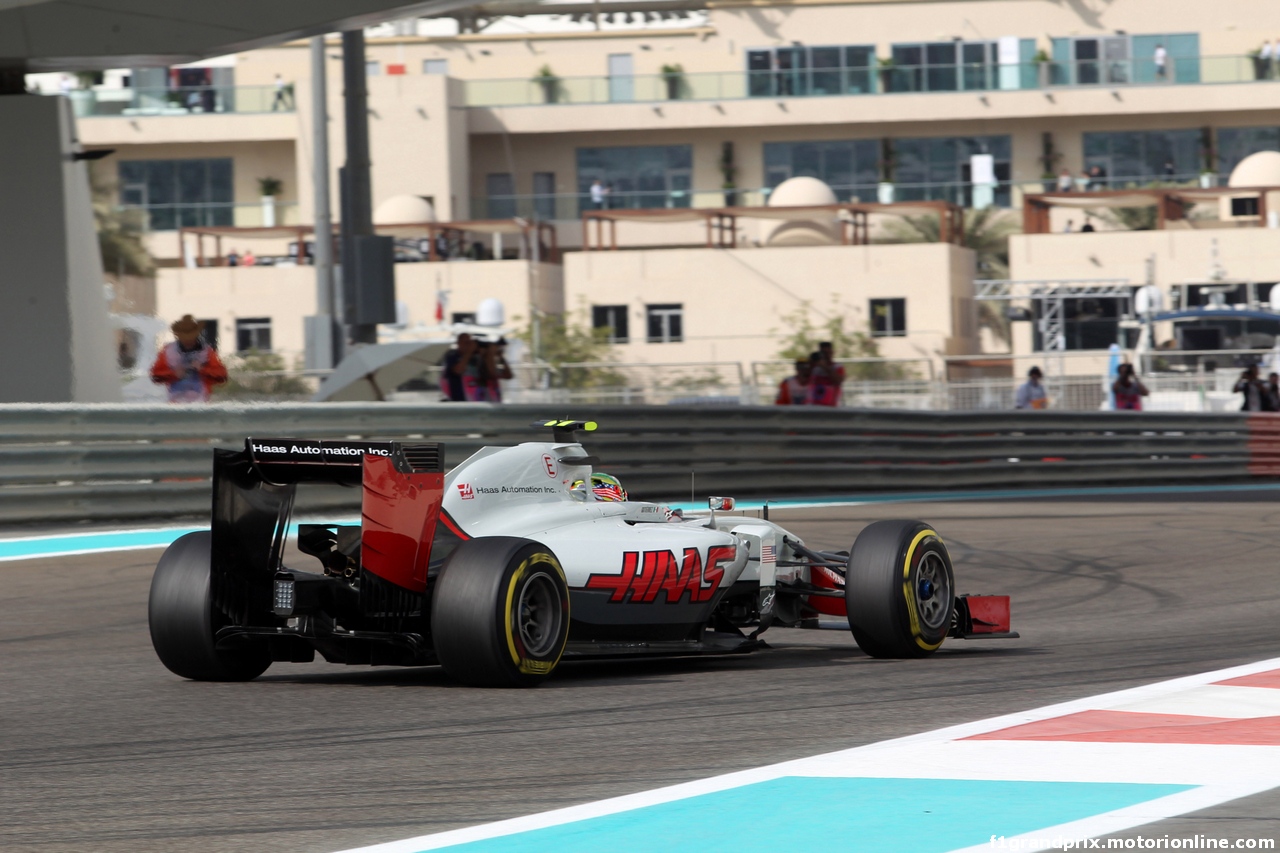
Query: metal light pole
pixel 324 344
pixel 368 272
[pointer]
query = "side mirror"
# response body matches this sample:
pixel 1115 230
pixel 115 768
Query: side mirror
pixel 722 504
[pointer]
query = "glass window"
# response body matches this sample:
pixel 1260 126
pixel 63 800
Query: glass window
pixel 801 70
pixel 179 193
pixel 613 318
pixel 1142 156
pixel 665 323
pixel 945 66
pixel 253 333
pixel 849 167
pixel 888 318
pixel 209 331
pixel 939 168
pixel 544 195
pixel 500 191
pixel 637 176
pixel 1237 143
pixel 435 66
pixel 372 68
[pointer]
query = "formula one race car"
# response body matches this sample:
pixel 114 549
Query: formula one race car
pixel 515 561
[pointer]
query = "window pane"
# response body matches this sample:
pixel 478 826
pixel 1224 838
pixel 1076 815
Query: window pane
pixel 943 53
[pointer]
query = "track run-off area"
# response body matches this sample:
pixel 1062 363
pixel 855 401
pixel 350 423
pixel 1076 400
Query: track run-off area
pixel 1171 596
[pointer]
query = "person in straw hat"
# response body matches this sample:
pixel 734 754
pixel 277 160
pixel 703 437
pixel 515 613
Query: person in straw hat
pixel 188 365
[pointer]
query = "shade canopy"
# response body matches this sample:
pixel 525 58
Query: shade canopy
pixel 372 373
pixel 69 35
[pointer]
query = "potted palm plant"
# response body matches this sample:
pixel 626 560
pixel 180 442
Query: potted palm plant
pixel 888 163
pixel 550 83
pixel 887 66
pixel 269 188
pixel 728 170
pixel 673 75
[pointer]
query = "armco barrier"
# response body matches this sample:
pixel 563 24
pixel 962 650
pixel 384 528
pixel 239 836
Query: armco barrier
pixel 98 462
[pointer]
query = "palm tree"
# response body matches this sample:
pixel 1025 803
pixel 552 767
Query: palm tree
pixel 119 232
pixel 986 232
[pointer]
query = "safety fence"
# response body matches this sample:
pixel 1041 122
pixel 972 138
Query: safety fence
pixel 65 463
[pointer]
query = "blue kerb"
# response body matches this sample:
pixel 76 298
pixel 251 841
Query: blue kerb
pixel 856 814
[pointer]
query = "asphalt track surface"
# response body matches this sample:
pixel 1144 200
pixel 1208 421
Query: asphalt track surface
pixel 101 749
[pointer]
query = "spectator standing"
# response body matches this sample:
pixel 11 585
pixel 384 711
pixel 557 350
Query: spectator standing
pixel 1128 389
pixel 1161 60
pixel 1070 226
pixel 597 194
pixel 453 366
pixel 1087 228
pixel 495 369
pixel 1265 58
pixel 188 366
pixel 1031 394
pixel 1065 183
pixel 1251 387
pixel 233 259
pixel 828 351
pixel 826 380
pixel 1169 170
pixel 281 100
pixel 248 259
pixel 1271 390
pixel 794 390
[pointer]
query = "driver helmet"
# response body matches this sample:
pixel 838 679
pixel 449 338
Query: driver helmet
pixel 606 487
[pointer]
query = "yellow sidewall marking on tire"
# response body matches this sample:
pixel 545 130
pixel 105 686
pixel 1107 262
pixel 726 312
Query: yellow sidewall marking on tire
pixel 910 596
pixel 531 667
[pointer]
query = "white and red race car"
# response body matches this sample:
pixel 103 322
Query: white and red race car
pixel 513 563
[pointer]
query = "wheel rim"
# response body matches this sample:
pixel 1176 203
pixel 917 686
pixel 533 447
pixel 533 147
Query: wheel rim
pixel 538 615
pixel 933 590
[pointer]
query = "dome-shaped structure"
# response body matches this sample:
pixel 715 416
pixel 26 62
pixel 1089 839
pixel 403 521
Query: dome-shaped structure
pixel 818 230
pixel 801 191
pixel 404 210
pixel 1257 170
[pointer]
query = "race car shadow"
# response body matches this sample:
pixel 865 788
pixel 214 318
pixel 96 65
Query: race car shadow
pixel 791 654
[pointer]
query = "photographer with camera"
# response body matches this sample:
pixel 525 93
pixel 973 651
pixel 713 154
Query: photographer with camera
pixel 494 368
pixel 1128 389
pixel 1251 387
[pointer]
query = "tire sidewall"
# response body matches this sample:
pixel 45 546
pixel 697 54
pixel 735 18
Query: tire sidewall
pixel 924 541
pixel 524 567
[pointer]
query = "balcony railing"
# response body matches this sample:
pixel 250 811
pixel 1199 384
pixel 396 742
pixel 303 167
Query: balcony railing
pixel 564 206
pixel 879 80
pixel 171 217
pixel 182 101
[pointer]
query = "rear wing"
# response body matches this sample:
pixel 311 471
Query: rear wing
pixel 253 497
pixel 294 460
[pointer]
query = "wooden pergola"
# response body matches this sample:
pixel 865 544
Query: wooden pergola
pixel 1171 203
pixel 543 232
pixel 722 222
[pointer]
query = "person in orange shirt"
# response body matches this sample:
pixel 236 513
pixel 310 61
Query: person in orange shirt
pixel 794 390
pixel 188 366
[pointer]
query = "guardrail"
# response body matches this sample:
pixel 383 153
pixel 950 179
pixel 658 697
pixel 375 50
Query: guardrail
pixel 64 463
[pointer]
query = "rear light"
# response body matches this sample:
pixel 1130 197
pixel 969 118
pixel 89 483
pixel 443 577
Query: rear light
pixel 285 598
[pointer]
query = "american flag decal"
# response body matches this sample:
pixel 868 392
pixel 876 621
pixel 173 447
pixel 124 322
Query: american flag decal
pixel 768 554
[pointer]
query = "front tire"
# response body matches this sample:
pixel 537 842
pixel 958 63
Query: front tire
pixel 181 616
pixel 500 612
pixel 899 590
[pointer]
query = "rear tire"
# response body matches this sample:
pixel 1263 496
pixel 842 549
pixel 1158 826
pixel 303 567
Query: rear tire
pixel 500 612
pixel 183 622
pixel 899 590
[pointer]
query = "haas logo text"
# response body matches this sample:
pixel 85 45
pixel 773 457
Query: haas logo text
pixel 646 574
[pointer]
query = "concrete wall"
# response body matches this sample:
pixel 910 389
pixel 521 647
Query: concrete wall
pixel 55 340
pixel 735 300
pixel 287 294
